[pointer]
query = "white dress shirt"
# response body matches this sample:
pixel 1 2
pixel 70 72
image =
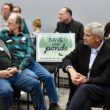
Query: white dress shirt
pixel 94 52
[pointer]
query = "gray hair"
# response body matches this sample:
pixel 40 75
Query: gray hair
pixel 96 29
pixel 18 19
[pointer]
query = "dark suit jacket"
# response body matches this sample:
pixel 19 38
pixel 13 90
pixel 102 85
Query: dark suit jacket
pixel 100 71
pixel 73 27
pixel 107 29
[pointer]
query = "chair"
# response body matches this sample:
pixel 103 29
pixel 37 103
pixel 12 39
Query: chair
pixel 17 98
pixel 52 68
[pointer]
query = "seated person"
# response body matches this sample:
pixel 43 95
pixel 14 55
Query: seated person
pixel 89 69
pixel 67 24
pixel 22 51
pixel 18 10
pixel 10 77
pixel 36 24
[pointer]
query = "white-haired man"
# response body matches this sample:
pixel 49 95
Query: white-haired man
pixel 22 51
pixel 89 68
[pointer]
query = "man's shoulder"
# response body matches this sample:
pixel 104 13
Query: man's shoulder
pixel 81 45
pixel 72 23
pixel 76 22
pixel 107 43
pixel 25 35
pixel 60 23
pixel 108 23
pixel 4 33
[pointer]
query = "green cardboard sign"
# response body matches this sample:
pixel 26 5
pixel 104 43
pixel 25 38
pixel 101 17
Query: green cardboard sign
pixel 52 47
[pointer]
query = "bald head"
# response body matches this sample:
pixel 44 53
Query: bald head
pixel 14 22
pixel 65 15
pixel 15 18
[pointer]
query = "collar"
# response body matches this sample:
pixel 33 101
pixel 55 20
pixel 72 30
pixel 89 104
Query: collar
pixel 20 34
pixel 66 24
pixel 97 49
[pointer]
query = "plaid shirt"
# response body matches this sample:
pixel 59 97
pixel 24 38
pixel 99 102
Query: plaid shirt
pixel 20 47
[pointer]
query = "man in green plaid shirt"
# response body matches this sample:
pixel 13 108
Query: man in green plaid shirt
pixel 20 47
pixel 22 51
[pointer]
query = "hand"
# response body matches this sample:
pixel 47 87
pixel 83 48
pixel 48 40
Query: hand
pixel 81 80
pixel 75 78
pixel 73 72
pixel 12 70
pixel 74 75
pixel 5 74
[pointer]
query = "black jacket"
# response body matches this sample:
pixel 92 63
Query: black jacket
pixel 100 71
pixel 73 27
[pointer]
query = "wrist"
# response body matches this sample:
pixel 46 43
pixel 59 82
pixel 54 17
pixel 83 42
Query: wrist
pixel 86 80
pixel 68 67
pixel 71 70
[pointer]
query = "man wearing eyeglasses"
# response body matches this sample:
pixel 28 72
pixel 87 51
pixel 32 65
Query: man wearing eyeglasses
pixel 89 69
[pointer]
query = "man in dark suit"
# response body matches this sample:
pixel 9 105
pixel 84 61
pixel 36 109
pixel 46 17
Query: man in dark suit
pixel 107 29
pixel 89 68
pixel 67 24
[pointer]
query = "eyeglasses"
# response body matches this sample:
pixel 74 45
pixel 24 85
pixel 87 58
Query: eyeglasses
pixel 9 23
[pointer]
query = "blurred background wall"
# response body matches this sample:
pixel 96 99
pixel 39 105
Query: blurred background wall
pixel 85 11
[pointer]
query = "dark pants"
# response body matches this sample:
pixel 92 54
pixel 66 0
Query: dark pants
pixel 1 104
pixel 85 96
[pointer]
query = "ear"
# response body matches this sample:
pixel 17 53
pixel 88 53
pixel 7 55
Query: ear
pixel 98 38
pixel 17 25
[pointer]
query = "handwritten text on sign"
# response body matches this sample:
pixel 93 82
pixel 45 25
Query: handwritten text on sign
pixel 52 47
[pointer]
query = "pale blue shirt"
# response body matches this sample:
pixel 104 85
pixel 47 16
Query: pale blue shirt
pixel 94 52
